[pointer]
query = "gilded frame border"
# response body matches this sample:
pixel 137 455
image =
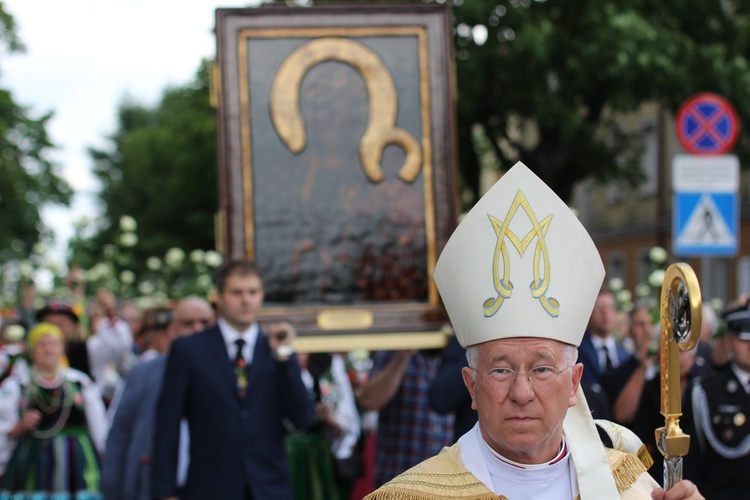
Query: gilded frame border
pixel 409 335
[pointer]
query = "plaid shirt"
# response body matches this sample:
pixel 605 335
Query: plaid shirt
pixel 408 430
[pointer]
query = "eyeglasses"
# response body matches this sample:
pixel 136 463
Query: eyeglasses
pixel 539 375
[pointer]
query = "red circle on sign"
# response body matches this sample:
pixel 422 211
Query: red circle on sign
pixel 707 124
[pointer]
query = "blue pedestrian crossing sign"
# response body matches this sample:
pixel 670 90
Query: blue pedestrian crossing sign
pixel 706 207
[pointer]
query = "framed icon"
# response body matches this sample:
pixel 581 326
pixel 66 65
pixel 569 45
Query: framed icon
pixel 337 166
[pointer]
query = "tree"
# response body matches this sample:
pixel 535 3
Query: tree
pixel 567 68
pixel 161 170
pixel 28 178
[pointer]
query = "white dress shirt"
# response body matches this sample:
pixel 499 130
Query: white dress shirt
pixel 611 345
pixel 250 336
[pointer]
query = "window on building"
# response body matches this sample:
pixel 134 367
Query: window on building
pixel 649 157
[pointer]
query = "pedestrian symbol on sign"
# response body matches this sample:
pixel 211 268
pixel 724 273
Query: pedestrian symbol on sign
pixel 705 226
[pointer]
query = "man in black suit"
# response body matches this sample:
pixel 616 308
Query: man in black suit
pixel 235 385
pixel 599 353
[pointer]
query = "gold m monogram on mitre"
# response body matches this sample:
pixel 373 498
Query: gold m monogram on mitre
pixel 541 265
pixel 382 96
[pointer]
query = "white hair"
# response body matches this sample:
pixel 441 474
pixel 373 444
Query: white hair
pixel 472 353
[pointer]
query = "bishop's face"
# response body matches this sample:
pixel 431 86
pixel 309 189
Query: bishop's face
pixel 522 419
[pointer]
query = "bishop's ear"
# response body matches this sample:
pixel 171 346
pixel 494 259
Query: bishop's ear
pixel 468 375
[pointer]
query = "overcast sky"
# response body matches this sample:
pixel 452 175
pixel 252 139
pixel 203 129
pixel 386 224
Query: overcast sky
pixel 83 56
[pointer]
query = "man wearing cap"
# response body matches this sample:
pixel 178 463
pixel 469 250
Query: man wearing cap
pixel 155 335
pixel 716 413
pixel 519 278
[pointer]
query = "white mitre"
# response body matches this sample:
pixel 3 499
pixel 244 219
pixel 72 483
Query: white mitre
pixel 520 264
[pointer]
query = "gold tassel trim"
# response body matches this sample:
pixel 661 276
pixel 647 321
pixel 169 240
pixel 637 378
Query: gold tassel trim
pixel 645 457
pixel 398 494
pixel 626 469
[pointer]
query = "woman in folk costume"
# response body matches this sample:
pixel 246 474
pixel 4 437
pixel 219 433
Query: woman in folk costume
pixel 61 428
pixel 519 278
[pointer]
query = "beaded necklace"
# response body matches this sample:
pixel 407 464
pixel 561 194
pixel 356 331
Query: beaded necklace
pixel 47 383
pixel 62 396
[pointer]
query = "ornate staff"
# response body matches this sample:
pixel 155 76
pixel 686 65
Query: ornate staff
pixel 680 328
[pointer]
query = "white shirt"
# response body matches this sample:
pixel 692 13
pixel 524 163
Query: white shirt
pixel 250 336
pixel 109 350
pixel 550 480
pixel 611 345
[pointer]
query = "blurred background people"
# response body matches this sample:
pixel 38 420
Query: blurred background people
pixel 624 384
pixel 448 392
pixel 600 352
pixel 77 350
pixel 713 352
pixel 716 417
pixel 61 428
pixel 326 459
pixel 112 342
pixel 12 364
pixel 409 431
pixel 155 334
pixel 133 316
pixel 104 356
pixel 126 469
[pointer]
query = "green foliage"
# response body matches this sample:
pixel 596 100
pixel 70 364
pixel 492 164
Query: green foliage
pixel 565 68
pixel 8 34
pixel 28 179
pixel 161 170
pixel 172 274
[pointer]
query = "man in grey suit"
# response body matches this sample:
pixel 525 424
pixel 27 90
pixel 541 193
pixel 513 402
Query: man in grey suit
pixel 127 459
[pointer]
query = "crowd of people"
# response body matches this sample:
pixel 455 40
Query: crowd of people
pixel 197 400
pixel 625 382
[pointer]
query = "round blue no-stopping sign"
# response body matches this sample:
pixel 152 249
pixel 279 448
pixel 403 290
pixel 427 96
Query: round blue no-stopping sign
pixel 707 124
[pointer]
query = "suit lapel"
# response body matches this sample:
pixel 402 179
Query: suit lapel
pixel 261 357
pixel 588 349
pixel 218 351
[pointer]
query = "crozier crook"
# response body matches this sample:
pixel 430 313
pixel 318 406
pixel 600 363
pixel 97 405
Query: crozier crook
pixel 680 313
pixel 381 91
